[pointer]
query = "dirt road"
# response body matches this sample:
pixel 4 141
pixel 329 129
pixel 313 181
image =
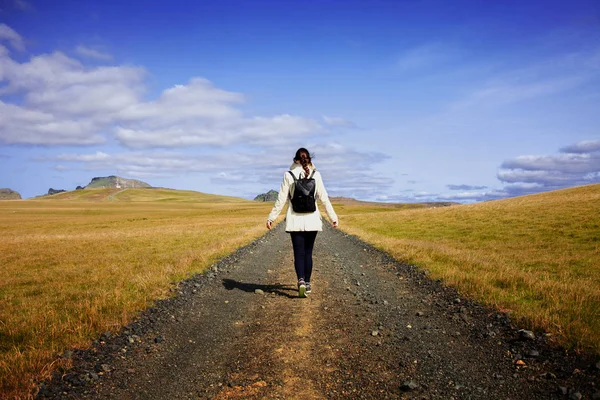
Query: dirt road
pixel 371 329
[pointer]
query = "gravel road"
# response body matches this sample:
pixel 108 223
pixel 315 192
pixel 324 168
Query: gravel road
pixel 371 329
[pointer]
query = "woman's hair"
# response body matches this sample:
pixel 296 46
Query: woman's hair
pixel 303 156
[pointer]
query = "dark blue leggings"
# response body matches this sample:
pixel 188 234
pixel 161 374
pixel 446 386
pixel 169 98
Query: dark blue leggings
pixel 303 243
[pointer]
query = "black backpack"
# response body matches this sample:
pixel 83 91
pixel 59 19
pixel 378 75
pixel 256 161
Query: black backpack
pixel 303 200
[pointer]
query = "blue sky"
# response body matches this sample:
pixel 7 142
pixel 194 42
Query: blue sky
pixel 399 101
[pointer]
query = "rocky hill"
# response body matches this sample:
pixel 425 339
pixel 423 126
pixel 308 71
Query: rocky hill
pixel 8 194
pixel 271 195
pixel 52 191
pixel 115 182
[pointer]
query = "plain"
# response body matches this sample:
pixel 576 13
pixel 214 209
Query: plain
pixel 537 256
pixel 80 263
pixel 77 264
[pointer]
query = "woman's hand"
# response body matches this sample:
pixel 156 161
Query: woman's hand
pixel 269 225
pixel 335 224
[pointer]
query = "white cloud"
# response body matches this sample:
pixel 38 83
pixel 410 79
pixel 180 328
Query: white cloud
pixel 465 187
pixel 552 178
pixel 132 173
pixel 348 172
pixel 228 178
pixel 586 146
pixel 409 196
pixel 92 53
pixel 578 164
pixel 247 168
pixel 200 114
pixel 200 131
pixel 53 99
pixel 63 101
pixel 12 37
pixel 170 137
pixel 336 121
pixel 263 130
pixel 147 163
pixel 563 163
pixel 199 99
pixel 22 126
pixel 89 103
pixel 65 87
pixel 99 156
pixel 461 196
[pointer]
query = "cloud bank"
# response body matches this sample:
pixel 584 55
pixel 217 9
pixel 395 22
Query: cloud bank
pixel 61 101
pixel 54 100
pixel 465 187
pixel 89 52
pixel 575 165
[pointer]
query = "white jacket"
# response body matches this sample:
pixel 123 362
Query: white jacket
pixel 302 221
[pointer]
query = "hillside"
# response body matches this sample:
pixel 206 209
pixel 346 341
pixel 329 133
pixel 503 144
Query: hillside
pixel 8 194
pixel 535 255
pixel 141 195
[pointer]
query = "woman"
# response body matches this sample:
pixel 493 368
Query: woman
pixel 303 227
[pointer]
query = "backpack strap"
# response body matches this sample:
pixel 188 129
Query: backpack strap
pixel 295 180
pixel 294 176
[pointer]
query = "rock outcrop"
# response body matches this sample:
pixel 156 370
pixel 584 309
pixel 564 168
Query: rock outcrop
pixel 115 182
pixel 271 195
pixel 55 191
pixel 9 194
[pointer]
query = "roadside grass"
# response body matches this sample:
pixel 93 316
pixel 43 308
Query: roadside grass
pixel 73 269
pixel 536 256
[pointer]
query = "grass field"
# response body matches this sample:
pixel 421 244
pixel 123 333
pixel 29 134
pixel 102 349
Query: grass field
pixel 76 264
pixel 537 256
pixel 80 263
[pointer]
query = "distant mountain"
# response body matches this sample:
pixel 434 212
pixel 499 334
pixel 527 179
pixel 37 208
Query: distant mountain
pixel 55 191
pixel 116 182
pixel 8 194
pixel 271 195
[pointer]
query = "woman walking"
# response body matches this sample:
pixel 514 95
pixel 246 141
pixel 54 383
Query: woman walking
pixel 302 226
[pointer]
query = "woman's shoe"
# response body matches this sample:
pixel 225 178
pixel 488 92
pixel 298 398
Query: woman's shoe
pixel 307 287
pixel 301 288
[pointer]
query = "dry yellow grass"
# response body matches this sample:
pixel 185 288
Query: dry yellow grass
pixel 538 256
pixel 74 268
